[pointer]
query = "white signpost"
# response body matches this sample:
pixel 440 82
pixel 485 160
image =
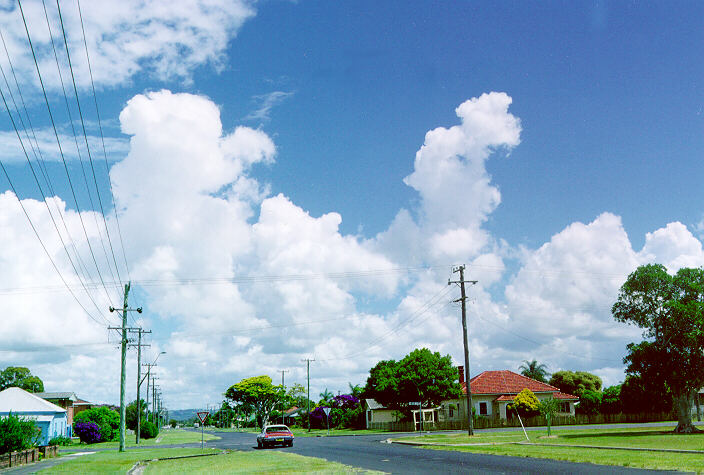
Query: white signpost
pixel 326 410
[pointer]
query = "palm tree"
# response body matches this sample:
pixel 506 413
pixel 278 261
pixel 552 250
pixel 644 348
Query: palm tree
pixel 356 390
pixel 534 370
pixel 326 396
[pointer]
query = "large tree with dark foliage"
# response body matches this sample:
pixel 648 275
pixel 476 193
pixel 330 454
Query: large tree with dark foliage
pixel 575 382
pixel 670 310
pixel 21 377
pixel 420 376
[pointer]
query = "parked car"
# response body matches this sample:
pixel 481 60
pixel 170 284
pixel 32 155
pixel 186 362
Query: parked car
pixel 275 434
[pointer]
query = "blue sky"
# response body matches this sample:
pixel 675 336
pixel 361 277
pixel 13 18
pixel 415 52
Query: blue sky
pixel 336 99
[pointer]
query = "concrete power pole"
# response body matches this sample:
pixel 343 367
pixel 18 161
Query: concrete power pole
pixel 282 371
pixel 308 360
pixel 124 310
pixel 139 377
pixel 463 299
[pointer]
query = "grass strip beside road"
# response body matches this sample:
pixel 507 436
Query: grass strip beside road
pixel 165 437
pixel 118 462
pixel 250 462
pixel 505 443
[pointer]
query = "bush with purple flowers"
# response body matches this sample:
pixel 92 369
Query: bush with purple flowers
pixel 88 432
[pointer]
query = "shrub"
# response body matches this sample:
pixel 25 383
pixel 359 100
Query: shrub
pixel 148 430
pixel 88 432
pixel 17 433
pixel 106 419
pixel 60 440
pixel 525 403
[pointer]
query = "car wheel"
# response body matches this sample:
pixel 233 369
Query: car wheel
pixel 290 444
pixel 259 444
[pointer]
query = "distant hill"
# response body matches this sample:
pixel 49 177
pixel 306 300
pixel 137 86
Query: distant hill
pixel 182 414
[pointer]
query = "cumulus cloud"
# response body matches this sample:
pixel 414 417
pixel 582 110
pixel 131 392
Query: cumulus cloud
pixel 238 281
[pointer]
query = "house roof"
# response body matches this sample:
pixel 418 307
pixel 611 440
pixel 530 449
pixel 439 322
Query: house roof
pixel 555 395
pixel 291 411
pixel 507 382
pixel 65 395
pixel 20 401
pixel 372 404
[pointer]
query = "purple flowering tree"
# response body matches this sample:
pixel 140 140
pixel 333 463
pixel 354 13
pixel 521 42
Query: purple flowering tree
pixel 88 432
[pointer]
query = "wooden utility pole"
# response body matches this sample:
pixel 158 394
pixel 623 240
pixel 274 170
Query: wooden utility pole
pixel 463 299
pixel 123 370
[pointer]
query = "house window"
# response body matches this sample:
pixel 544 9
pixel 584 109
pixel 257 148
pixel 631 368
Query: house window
pixel 565 407
pixel 483 409
pixel 452 410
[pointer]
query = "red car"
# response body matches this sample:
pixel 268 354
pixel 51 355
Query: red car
pixel 275 434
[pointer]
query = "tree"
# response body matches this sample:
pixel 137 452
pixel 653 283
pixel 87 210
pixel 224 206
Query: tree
pixel 611 400
pixel 21 377
pixel 589 402
pixel 575 382
pixel 107 420
pixel 326 397
pixel 17 433
pixel 525 403
pixel 420 376
pixel 549 408
pixel 636 395
pixel 296 396
pixel 534 370
pixel 356 390
pixel 259 393
pixel 670 310
pixel 131 414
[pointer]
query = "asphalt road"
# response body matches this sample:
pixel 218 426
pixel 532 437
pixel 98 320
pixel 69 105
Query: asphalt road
pixel 370 452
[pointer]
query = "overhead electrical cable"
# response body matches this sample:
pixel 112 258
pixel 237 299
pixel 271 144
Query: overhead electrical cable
pixel 36 179
pixel 58 142
pixel 102 139
pixel 40 161
pixel 85 136
pixel 75 138
pixel 36 233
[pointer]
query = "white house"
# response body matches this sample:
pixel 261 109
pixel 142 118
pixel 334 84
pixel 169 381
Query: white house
pixel 50 418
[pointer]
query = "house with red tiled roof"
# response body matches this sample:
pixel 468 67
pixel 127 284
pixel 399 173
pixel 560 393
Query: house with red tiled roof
pixel 492 391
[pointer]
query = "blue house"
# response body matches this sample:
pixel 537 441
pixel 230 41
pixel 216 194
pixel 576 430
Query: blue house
pixel 50 418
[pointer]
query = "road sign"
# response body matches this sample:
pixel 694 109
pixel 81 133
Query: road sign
pixel 326 410
pixel 202 416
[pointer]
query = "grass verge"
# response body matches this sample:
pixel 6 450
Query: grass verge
pixel 640 438
pixel 165 437
pixel 117 462
pixel 248 462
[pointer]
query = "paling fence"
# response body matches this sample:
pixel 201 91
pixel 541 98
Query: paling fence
pixel 490 423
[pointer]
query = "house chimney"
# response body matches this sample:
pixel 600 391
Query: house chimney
pixel 460 370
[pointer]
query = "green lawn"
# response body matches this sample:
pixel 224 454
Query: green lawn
pixel 165 437
pixel 248 462
pixel 646 438
pixel 110 461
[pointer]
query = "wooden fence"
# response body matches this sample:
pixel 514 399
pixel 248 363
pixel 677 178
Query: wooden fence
pixel 28 456
pixel 538 421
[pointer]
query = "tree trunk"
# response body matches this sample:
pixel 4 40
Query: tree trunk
pixel 684 414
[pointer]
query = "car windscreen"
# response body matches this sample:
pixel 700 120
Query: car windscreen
pixel 276 429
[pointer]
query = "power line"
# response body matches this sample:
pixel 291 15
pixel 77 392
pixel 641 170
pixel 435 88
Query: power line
pixel 102 139
pixel 58 142
pixel 85 136
pixel 75 136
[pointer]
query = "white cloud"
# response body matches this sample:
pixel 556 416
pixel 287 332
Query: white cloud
pixel 126 38
pixel 266 102
pixel 282 284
